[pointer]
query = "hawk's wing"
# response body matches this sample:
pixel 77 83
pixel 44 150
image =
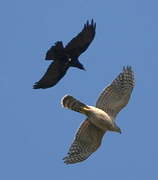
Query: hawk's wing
pixel 54 73
pixel 80 43
pixel 116 96
pixel 87 140
pixel 55 52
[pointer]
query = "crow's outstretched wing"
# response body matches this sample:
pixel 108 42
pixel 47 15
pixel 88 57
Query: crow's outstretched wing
pixel 87 140
pixel 55 52
pixel 54 73
pixel 80 43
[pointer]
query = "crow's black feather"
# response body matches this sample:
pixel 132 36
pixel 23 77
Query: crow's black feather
pixel 66 57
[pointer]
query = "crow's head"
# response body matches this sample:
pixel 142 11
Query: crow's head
pixel 77 64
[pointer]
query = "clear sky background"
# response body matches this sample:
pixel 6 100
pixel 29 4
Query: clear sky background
pixel 35 131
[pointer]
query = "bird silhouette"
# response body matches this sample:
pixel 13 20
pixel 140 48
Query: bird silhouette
pixel 65 57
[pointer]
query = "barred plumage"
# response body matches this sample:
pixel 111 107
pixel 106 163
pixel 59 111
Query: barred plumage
pixel 112 100
pixel 73 104
pixel 87 141
pixel 116 96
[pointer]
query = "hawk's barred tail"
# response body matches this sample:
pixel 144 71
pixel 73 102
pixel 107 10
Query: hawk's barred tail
pixel 73 104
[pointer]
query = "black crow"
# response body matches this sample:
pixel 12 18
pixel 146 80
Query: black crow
pixel 65 57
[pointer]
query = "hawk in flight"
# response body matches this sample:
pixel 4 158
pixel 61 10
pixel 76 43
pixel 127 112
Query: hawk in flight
pixel 65 57
pixel 101 118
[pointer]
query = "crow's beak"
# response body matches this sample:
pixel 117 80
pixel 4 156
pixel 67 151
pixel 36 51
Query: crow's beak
pixel 84 69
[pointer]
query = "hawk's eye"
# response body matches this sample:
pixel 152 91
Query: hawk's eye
pixel 69 59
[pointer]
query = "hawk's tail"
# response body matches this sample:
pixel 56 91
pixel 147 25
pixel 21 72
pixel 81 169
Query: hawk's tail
pixel 73 104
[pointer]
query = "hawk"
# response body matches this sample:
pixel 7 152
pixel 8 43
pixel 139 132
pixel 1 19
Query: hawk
pixel 65 57
pixel 101 118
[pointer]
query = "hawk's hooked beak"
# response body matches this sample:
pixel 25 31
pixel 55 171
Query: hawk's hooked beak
pixel 119 131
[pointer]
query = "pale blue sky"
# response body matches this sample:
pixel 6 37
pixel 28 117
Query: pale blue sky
pixel 35 131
